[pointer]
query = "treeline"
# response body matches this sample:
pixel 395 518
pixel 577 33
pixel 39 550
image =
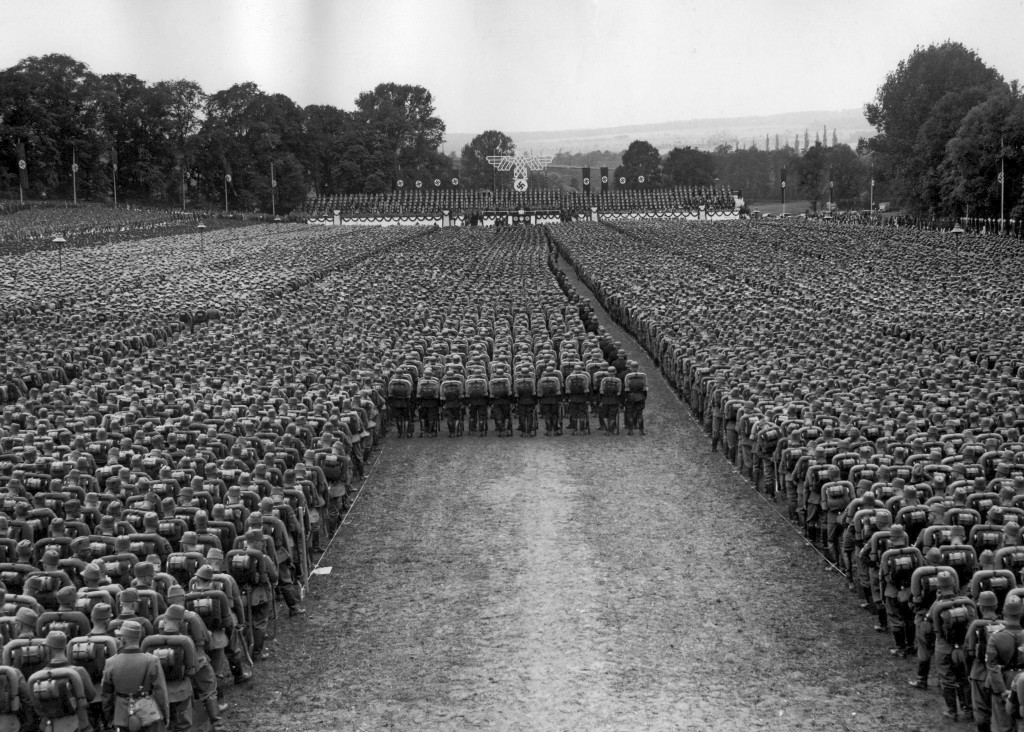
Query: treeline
pixel 948 125
pixel 171 135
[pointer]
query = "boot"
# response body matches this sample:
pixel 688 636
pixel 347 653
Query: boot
pixel 883 625
pixel 921 682
pixel 213 713
pixel 964 693
pixel 949 696
pixel 900 637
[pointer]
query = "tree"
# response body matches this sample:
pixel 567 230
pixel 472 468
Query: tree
pixel 402 115
pixel 688 166
pixel 640 158
pixel 475 169
pixel 908 99
pixel 969 172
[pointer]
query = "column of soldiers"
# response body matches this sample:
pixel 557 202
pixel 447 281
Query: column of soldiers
pixel 894 442
pixel 564 379
pixel 143 551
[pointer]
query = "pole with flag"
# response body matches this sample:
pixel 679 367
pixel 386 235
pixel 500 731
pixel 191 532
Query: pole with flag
pixel 783 190
pixel 113 164
pixel 273 191
pixel 1002 186
pixel 831 185
pixel 227 179
pixel 74 174
pixel 22 171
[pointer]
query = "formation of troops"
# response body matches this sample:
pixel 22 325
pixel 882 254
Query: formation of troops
pixel 176 448
pixel 171 465
pixel 871 382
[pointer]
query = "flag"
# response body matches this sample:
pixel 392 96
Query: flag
pixel 604 180
pixel 783 178
pixel 586 181
pixel 228 178
pixel 22 166
pixel 113 158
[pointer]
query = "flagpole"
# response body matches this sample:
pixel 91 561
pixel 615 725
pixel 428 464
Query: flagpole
pixel 115 185
pixel 1002 185
pixel 273 190
pixel 225 194
pixel 183 186
pixel 74 175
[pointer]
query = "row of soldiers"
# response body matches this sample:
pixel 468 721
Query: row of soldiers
pixel 521 386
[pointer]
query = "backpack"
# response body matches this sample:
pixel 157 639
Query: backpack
pixel 610 386
pixel 549 386
pixel 957 619
pixel 901 568
pixel 399 389
pixel 476 388
pixel 207 607
pixel 835 495
pixel 172 659
pixel 245 568
pixel 636 383
pixel 10 701
pixel 55 696
pixel 525 387
pixel 499 388
pixel 90 655
pixel 451 390
pixel 429 389
pixel 576 384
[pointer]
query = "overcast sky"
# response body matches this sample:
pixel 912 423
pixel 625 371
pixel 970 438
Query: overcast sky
pixel 524 65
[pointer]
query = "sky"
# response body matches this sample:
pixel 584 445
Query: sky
pixel 524 65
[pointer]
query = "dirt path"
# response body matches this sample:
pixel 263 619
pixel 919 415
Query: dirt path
pixel 576 583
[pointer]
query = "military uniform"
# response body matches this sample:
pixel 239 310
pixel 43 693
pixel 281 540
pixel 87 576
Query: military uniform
pixel 1004 661
pixel 132 675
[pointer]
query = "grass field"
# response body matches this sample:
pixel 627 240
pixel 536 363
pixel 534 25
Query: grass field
pixel 775 207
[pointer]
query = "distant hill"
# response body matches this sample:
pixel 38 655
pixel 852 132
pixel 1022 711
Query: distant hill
pixel 704 134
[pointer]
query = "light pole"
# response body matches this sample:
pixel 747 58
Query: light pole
pixel 957 232
pixel 201 228
pixel 60 241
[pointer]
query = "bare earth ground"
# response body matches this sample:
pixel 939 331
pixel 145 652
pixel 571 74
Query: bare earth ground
pixel 576 583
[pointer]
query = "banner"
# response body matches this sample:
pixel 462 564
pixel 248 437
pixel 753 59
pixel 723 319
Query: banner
pixel 783 180
pixel 604 180
pixel 586 181
pixel 22 166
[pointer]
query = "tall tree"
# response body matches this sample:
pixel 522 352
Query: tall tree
pixel 402 115
pixel 688 166
pixel 640 158
pixel 475 169
pixel 908 99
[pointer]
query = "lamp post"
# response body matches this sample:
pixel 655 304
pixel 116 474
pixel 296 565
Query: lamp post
pixel 60 241
pixel 957 232
pixel 201 228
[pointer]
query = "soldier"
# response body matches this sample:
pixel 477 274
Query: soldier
pixel 951 617
pixel 526 402
pixel 974 653
pixel 400 403
pixel 478 397
pixel 577 388
pixel 134 685
pixel 62 690
pixel 256 575
pixel 634 397
pixel 610 396
pixel 177 654
pixel 453 395
pixel 428 398
pixel 549 390
pixel 1004 661
pixel 897 567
